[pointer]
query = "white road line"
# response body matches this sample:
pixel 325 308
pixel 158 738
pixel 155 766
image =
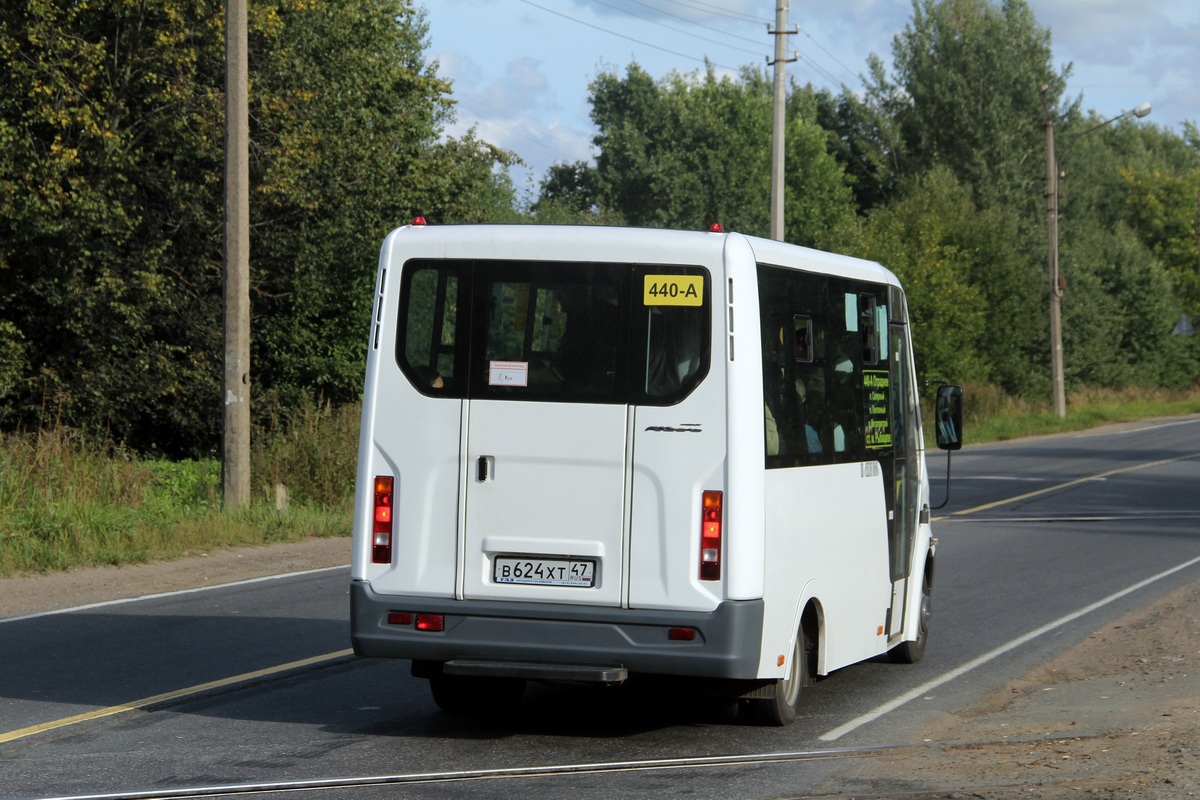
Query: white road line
pixel 176 593
pixel 924 688
pixel 1155 427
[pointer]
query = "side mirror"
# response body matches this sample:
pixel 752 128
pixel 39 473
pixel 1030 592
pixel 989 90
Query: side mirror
pixel 948 417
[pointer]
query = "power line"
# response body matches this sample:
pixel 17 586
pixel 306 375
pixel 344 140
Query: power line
pixel 677 30
pixel 831 55
pixel 817 68
pixel 709 8
pixel 697 24
pixel 629 38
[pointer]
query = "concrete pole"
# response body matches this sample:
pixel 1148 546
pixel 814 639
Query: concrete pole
pixel 1057 383
pixel 235 450
pixel 779 118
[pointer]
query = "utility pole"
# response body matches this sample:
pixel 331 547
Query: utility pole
pixel 779 116
pixel 235 446
pixel 1057 381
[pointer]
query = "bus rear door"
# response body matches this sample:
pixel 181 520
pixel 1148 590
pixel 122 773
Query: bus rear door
pixel 545 489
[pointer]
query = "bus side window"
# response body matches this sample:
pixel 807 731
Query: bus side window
pixel 868 325
pixel 427 349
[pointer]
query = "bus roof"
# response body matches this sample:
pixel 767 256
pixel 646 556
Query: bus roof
pixel 598 242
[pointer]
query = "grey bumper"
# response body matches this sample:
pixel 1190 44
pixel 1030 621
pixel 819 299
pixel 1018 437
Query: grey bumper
pixel 726 643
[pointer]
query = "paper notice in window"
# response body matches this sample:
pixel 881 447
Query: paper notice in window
pixel 508 373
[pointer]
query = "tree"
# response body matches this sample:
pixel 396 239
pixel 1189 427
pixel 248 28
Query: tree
pixel 968 92
pixel 942 250
pixel 1117 323
pixel 692 150
pixel 111 134
pixel 347 131
pixel 1162 205
pixel 1128 252
pixel 109 117
pixel 865 140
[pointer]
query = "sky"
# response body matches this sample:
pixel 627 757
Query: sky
pixel 521 68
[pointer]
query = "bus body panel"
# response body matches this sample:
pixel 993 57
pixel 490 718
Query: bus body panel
pixel 827 516
pixel 426 463
pixel 679 454
pixel 545 498
pixel 746 544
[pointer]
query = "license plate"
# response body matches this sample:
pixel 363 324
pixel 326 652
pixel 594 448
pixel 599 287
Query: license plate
pixel 544 571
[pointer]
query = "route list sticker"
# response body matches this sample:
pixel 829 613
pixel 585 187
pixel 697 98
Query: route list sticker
pixel 876 386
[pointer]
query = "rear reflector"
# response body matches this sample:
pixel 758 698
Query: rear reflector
pixel 381 542
pixel 710 536
pixel 431 622
pixel 681 634
pixel 400 618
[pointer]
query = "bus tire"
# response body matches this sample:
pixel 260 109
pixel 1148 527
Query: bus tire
pixel 913 651
pixel 781 709
pixel 476 696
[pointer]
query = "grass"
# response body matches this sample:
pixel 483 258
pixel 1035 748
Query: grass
pixel 992 416
pixel 68 501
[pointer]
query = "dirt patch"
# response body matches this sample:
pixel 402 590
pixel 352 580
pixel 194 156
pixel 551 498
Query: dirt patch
pixel 1117 716
pixel 30 594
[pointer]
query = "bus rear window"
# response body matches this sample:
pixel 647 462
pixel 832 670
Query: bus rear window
pixel 555 331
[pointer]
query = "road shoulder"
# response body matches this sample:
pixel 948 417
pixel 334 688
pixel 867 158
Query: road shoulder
pixel 32 594
pixel 1116 716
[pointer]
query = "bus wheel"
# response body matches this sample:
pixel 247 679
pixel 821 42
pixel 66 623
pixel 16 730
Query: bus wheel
pixel 912 652
pixel 461 695
pixel 781 709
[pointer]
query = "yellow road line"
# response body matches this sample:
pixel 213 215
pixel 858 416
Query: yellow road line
pixel 1068 484
pixel 100 713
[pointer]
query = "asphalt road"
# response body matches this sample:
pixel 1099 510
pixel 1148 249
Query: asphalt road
pixel 1043 542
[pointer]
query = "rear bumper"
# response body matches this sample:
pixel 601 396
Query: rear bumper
pixel 726 643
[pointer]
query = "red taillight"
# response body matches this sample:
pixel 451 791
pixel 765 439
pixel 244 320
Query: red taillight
pixel 710 536
pixel 381 542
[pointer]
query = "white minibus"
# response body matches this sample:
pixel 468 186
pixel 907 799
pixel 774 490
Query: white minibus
pixel 591 453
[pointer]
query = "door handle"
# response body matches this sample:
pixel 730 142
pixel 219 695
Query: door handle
pixel 485 468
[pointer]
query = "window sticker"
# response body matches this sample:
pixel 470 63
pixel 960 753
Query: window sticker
pixel 881 325
pixel 673 290
pixel 876 388
pixel 508 373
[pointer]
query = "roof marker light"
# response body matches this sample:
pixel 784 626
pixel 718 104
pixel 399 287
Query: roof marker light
pixel 716 227
pixel 419 221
